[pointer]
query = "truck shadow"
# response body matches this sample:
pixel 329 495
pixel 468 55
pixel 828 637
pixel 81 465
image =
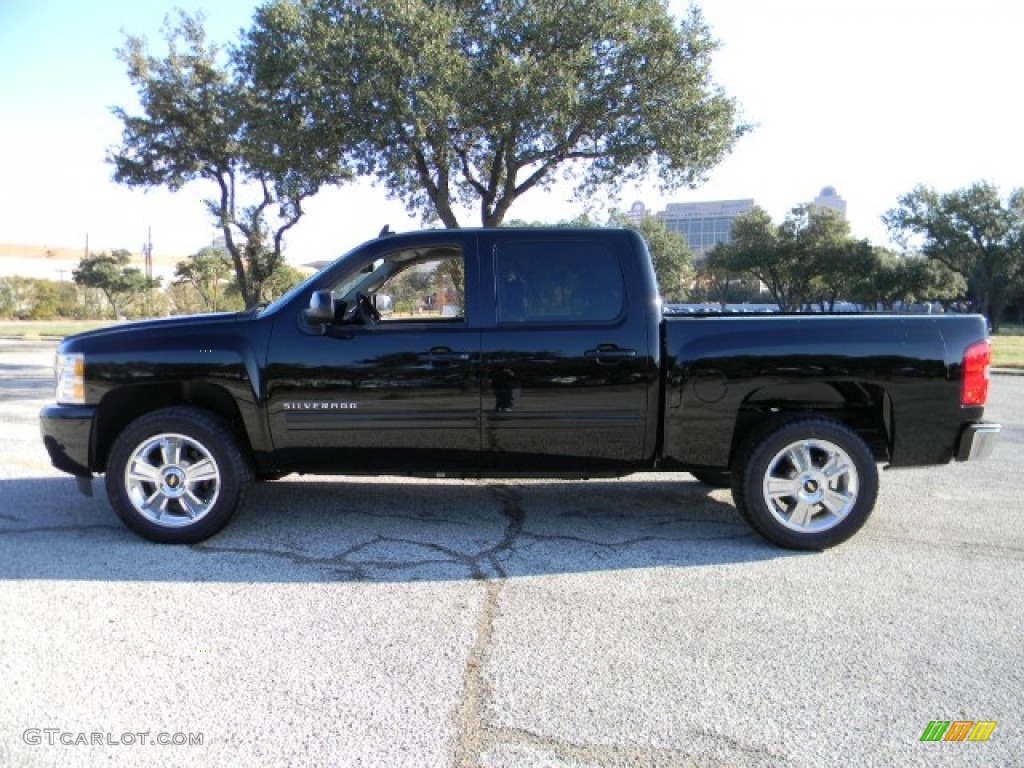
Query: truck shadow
pixel 387 530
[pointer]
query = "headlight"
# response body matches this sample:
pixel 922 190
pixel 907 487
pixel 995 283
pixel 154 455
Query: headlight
pixel 71 379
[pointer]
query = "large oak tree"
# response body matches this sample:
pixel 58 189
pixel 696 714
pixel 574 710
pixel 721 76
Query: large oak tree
pixel 476 103
pixel 202 121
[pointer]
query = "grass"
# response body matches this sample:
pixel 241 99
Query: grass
pixel 46 329
pixel 1008 348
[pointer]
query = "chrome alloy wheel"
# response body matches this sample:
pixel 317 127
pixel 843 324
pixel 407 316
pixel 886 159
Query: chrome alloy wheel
pixel 172 480
pixel 810 485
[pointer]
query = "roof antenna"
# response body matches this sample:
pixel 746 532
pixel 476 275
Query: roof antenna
pixel 386 231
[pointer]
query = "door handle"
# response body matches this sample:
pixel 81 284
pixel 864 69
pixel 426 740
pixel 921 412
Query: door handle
pixel 609 353
pixel 445 355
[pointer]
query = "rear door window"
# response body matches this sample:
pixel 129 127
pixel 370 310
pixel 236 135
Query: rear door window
pixel 558 282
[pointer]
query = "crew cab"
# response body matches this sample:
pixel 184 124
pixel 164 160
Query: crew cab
pixel 514 352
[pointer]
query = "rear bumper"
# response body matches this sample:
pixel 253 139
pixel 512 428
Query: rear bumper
pixel 66 431
pixel 977 441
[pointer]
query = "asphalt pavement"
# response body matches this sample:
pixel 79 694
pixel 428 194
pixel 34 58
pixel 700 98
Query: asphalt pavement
pixel 399 622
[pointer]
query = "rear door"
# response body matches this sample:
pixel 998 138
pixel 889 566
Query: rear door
pixel 567 362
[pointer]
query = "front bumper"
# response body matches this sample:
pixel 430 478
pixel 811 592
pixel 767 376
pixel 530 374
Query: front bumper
pixel 977 441
pixel 66 431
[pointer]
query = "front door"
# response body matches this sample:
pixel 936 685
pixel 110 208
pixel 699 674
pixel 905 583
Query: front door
pixel 393 385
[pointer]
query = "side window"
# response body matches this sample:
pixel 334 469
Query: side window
pixel 558 282
pixel 430 288
pixel 412 285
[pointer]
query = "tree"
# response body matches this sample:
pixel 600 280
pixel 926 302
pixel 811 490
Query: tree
pixel 283 280
pixel 716 276
pixel 838 268
pixel 754 250
pixel 892 279
pixel 809 257
pixel 206 270
pixel 476 104
pixel 110 273
pixel 670 255
pixel 32 298
pixel 972 233
pixel 202 120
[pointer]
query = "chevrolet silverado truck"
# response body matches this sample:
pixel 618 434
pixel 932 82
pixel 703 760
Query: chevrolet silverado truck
pixel 504 352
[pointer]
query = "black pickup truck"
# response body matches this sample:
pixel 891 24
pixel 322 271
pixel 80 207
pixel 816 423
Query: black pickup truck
pixel 504 352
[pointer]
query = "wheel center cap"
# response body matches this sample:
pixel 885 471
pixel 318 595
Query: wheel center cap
pixel 173 481
pixel 812 487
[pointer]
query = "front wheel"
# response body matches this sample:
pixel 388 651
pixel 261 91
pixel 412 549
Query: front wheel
pixel 176 475
pixel 811 484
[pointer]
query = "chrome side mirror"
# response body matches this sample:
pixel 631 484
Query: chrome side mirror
pixel 321 308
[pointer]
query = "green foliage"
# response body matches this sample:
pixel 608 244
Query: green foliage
pixel 28 298
pixel 207 271
pixel 203 121
pixel 973 233
pixel 769 254
pixel 811 258
pixel 670 255
pixel 453 103
pixel 120 283
pixel 890 280
pixel 284 278
pixel 716 280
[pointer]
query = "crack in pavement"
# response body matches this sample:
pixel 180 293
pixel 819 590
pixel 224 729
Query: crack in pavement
pixel 340 563
pixel 471 727
pixel 476 736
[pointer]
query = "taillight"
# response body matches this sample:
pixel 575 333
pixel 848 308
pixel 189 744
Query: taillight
pixel 974 386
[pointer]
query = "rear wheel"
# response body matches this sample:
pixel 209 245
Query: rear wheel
pixel 177 475
pixel 810 484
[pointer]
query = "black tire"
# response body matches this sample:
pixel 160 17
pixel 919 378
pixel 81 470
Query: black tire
pixel 188 475
pixel 809 484
pixel 713 478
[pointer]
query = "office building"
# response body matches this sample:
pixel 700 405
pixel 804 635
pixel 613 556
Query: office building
pixel 704 225
pixel 829 198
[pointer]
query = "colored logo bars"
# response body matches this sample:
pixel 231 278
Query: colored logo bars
pixel 958 730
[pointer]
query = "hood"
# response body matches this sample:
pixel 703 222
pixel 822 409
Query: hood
pixel 159 328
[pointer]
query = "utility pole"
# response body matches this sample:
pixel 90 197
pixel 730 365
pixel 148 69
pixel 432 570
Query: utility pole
pixel 147 249
pixel 147 253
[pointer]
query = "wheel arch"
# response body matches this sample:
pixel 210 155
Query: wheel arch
pixel 124 405
pixel 863 407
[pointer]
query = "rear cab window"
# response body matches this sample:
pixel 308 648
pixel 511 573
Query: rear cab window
pixel 558 282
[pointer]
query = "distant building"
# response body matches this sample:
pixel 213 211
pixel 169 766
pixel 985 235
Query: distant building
pixel 829 198
pixel 704 225
pixel 637 212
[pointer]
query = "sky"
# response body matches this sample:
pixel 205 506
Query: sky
pixel 872 97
